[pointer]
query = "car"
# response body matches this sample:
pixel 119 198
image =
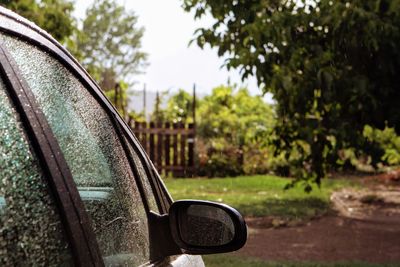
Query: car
pixel 76 187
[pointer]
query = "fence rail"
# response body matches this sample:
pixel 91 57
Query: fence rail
pixel 169 145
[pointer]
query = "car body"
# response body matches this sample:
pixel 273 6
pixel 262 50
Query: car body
pixel 76 187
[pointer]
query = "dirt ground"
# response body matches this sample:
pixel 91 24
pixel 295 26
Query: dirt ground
pixel 365 227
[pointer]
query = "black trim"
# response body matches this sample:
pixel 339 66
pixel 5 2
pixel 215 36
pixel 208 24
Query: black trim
pixel 83 242
pixel 133 167
pixel 38 37
pixel 160 232
pixel 155 190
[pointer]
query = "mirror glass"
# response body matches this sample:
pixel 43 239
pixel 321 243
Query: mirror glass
pixel 203 225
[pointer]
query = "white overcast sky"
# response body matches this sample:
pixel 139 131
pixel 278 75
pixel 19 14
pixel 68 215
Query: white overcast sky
pixel 174 64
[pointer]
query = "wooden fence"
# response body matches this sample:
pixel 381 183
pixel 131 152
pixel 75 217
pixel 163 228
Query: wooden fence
pixel 169 145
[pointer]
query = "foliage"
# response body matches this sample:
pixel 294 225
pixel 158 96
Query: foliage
pixel 136 116
pixel 159 113
pixel 109 45
pixel 232 128
pixel 218 157
pixel 119 96
pixel 387 140
pixel 330 65
pixel 54 16
pixel 180 107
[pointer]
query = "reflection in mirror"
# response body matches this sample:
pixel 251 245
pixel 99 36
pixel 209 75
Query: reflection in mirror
pixel 203 225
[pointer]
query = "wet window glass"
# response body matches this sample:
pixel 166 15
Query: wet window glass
pixel 31 233
pixel 144 178
pixel 203 226
pixel 94 154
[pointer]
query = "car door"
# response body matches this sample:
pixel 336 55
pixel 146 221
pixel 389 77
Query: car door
pixel 114 179
pixel 31 228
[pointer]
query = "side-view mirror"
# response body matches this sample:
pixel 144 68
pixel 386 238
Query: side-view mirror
pixel 203 227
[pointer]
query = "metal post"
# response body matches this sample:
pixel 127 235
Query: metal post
pixel 144 103
pixel 194 170
pixel 194 105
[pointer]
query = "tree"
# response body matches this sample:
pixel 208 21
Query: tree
pixel 119 96
pixel 175 108
pixel 159 114
pixel 109 44
pixel 54 16
pixel 232 128
pixel 180 107
pixel 331 66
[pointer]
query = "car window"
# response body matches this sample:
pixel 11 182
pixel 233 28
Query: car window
pixel 94 153
pixel 143 177
pixel 31 233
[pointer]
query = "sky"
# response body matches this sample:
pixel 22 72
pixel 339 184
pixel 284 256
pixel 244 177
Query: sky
pixel 172 63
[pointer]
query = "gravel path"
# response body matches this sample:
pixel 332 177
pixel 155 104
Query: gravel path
pixel 366 228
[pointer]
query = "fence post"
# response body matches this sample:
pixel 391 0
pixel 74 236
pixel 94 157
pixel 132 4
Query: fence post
pixel 167 148
pixel 183 148
pixel 151 145
pixel 162 142
pixel 190 142
pixel 159 146
pixel 175 148
pixel 143 137
pixel 192 145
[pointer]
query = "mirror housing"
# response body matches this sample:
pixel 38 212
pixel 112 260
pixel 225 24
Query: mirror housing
pixel 204 227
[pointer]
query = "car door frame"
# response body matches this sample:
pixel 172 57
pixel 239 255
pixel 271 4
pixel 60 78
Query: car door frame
pixel 73 216
pixel 60 178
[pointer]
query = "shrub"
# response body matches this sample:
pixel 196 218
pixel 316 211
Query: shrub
pixel 387 140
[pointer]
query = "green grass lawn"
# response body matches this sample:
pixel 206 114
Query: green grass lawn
pixel 236 261
pixel 260 195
